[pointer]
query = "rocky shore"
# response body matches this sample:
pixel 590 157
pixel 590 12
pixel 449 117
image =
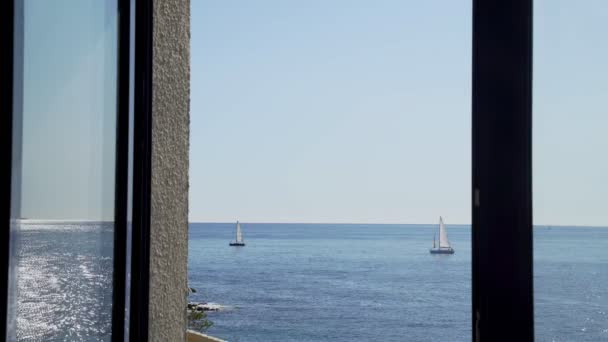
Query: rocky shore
pixel 204 307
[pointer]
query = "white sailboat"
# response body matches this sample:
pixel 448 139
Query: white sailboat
pixel 239 236
pixel 444 244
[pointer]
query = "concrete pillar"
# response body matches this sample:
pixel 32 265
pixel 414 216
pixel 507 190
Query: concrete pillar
pixel 169 192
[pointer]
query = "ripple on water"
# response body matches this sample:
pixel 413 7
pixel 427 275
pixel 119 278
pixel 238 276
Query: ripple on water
pixel 64 282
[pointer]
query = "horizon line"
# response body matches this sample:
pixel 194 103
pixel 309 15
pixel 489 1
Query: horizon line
pixel 58 220
pixel 32 220
pixel 392 223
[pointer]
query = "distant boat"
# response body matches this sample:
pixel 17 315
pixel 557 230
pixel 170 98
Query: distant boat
pixel 444 245
pixel 239 236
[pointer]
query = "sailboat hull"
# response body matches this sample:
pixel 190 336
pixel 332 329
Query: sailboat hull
pixel 442 250
pixel 237 244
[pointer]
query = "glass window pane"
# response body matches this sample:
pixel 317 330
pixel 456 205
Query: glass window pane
pixel 570 168
pixel 63 170
pixel 337 132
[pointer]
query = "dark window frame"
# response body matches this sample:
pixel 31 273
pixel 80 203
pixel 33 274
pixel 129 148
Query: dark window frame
pixel 141 161
pixel 122 173
pixel 501 196
pixel 7 10
pixel 502 171
pixel 142 166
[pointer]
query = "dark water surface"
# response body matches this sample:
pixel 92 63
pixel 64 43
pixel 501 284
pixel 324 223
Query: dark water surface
pixel 324 282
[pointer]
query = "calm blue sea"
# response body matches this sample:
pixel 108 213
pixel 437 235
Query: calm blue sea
pixel 327 282
pixel 308 282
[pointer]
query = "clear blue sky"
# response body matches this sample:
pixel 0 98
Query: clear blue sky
pixel 318 111
pixel 359 111
pixel 330 111
pixel 570 112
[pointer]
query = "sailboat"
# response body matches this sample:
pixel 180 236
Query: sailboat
pixel 239 236
pixel 444 245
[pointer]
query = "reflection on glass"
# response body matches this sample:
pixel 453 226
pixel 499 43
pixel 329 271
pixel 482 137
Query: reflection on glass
pixel 570 169
pixel 63 170
pixel 130 171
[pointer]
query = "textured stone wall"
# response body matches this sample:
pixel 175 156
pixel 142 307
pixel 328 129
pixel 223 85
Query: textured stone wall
pixel 170 146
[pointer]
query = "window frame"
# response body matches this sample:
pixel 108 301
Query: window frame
pixel 141 163
pixel 7 9
pixel 502 298
pixel 503 305
pixel 142 166
pixel 122 172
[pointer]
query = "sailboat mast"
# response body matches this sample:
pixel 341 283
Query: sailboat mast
pixel 440 220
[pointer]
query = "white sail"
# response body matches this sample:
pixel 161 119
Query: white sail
pixel 239 234
pixel 443 235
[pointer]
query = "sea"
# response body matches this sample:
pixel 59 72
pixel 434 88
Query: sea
pixel 307 282
pixel 349 282
pixel 60 281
